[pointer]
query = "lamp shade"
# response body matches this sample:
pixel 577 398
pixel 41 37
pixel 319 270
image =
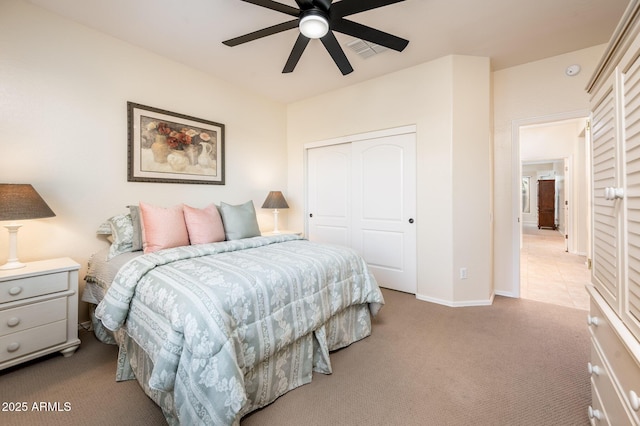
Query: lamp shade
pixel 21 201
pixel 275 200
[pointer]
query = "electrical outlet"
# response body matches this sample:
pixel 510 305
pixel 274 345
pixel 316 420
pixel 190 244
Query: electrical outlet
pixel 463 273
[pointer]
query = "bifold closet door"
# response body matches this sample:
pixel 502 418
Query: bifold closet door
pixel 362 195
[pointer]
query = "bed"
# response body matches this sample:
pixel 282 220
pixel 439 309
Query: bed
pixel 215 331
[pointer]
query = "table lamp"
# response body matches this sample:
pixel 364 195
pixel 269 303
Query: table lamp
pixel 19 202
pixel 275 200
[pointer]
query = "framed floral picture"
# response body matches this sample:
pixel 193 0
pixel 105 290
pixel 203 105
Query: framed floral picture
pixel 173 148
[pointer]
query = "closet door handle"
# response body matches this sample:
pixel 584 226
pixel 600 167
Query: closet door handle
pixel 611 193
pixel 411 220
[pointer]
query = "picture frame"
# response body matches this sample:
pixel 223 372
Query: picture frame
pixel 169 147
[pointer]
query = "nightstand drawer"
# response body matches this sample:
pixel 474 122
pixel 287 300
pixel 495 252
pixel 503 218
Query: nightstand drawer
pixel 29 316
pixel 26 287
pixel 32 340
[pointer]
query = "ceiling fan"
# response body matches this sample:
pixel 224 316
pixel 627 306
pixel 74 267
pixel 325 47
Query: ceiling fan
pixel 318 19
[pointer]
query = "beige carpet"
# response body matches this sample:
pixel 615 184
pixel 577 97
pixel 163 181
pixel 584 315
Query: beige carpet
pixel 517 362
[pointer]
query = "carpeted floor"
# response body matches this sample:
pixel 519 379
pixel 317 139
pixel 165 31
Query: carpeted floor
pixel 517 362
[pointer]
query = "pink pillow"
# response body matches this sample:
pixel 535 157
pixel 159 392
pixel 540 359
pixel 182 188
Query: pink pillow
pixel 204 225
pixel 162 227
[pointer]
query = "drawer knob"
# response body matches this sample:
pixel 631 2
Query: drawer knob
pixel 611 193
pixel 594 369
pixel 634 400
pixel 595 413
pixel 12 347
pixel 14 291
pixel 13 321
pixel 592 320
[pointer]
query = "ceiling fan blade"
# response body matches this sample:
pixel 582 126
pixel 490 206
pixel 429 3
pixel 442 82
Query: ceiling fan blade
pixel 370 34
pixel 349 7
pixel 336 52
pixel 261 33
pixel 296 53
pixel 273 5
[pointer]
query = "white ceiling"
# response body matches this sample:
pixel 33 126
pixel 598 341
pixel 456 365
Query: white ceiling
pixel 510 32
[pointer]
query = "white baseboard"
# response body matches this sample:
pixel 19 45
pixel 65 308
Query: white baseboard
pixel 454 304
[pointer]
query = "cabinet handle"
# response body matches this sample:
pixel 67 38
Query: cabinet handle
pixel 594 321
pixel 595 413
pixel 13 321
pixel 12 347
pixel 634 400
pixel 594 369
pixel 14 291
pixel 611 193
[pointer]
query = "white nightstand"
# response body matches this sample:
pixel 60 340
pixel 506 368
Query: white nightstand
pixel 38 311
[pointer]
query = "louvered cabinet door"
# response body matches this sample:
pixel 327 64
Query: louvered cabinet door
pixel 605 212
pixel 631 292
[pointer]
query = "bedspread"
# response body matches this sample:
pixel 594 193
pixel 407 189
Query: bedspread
pixel 212 317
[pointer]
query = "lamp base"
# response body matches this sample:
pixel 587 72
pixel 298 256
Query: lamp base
pixel 12 261
pixel 12 264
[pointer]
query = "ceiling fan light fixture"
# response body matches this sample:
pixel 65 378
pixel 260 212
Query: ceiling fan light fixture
pixel 314 26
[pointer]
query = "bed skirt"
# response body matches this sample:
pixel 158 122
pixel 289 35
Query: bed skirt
pixel 284 372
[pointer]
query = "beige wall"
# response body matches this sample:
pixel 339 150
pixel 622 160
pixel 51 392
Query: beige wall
pixel 534 92
pixel 63 128
pixel 63 94
pixel 449 101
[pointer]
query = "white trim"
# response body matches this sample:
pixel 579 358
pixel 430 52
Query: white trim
pixel 362 136
pixel 516 229
pixel 466 303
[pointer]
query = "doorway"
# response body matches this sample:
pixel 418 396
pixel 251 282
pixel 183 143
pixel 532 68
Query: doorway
pixel 553 249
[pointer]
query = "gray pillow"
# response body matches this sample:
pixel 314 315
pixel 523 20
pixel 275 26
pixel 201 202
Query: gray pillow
pixel 239 221
pixel 136 242
pixel 122 233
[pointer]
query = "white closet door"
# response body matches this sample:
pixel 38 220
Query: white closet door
pixel 384 205
pixel 362 194
pixel 605 211
pixel 329 194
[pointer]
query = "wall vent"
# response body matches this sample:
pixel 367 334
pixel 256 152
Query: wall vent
pixel 365 49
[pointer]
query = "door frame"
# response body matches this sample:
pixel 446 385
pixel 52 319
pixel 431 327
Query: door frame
pixel 516 196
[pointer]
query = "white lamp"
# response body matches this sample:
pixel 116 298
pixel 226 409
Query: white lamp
pixel 19 202
pixel 314 25
pixel 275 200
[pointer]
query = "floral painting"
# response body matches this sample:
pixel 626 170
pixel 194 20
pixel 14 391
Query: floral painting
pixel 174 148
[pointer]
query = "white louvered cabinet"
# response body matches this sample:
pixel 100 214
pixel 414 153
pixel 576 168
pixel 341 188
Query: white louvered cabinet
pixel 614 317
